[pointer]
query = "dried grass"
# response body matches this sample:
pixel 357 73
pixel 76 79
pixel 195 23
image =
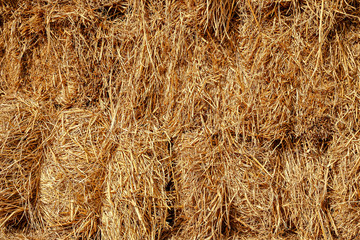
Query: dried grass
pixel 230 119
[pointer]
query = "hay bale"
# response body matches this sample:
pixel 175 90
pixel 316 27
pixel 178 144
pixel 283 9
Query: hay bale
pixel 305 194
pixel 21 156
pixel 279 193
pixel 202 195
pixel 254 189
pixel 343 191
pixel 137 202
pixel 344 198
pixel 56 50
pixel 71 184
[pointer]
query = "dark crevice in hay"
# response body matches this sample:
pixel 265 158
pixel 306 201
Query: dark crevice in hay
pixel 170 186
pixel 18 224
pixel 345 19
pixel 10 3
pixel 289 229
pixel 214 19
pixel 278 144
pixel 277 9
pixel 144 107
pixel 319 133
pixel 323 144
pixel 2 54
pixel 2 20
pixel 114 11
pixel 342 27
pixel 57 106
pixel 173 218
pixel 26 60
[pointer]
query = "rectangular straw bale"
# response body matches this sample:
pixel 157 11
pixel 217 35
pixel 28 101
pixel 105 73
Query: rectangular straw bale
pixel 71 184
pixel 138 198
pixel 344 190
pixel 254 184
pixel 21 156
pixel 279 193
pixel 304 194
pixel 202 195
pixel 56 49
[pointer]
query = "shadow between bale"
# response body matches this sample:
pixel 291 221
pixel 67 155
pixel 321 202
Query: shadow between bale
pixel 71 183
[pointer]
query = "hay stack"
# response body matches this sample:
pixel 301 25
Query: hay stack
pixel 71 184
pixel 21 137
pixel 137 202
pixel 261 99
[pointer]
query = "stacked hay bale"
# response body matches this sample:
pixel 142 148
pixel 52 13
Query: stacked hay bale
pixel 137 204
pixel 294 70
pixel 234 119
pixel 300 200
pixel 71 184
pixel 21 137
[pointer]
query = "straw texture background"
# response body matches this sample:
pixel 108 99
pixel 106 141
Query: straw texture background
pixel 179 119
